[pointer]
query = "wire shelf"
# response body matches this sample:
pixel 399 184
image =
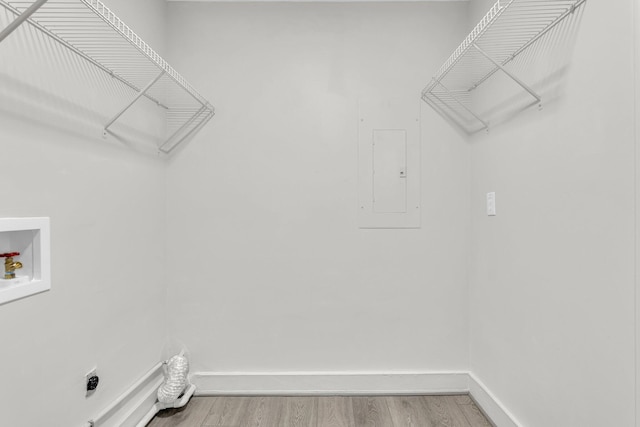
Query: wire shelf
pixel 95 33
pixel 506 31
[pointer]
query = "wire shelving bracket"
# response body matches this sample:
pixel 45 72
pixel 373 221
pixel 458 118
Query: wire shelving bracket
pixel 507 30
pixel 94 32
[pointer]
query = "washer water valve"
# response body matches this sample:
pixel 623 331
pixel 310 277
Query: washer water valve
pixel 10 266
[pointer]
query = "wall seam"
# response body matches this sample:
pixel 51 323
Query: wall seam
pixel 636 75
pixel 165 253
pixel 470 234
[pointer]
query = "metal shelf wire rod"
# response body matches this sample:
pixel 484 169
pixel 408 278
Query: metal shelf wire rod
pixel 507 30
pixel 95 34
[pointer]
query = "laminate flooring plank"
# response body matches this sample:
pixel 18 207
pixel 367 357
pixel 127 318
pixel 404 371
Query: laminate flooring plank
pixel 191 415
pixel 444 412
pixel 299 412
pixel 371 411
pixel 227 411
pixel 473 414
pixel 462 399
pixel 456 412
pixel 408 411
pixel 263 412
pixel 335 411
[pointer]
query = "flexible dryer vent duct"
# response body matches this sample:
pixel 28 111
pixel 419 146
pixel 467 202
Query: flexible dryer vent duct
pixel 175 379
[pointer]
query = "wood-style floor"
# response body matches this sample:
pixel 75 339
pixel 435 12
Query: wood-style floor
pixel 339 411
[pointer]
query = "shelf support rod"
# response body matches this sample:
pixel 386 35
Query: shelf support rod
pixel 133 101
pixel 462 105
pixel 514 78
pixel 21 18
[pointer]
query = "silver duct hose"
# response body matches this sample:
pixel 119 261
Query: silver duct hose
pixel 175 381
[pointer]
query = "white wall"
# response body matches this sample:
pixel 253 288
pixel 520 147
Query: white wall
pixel 106 204
pixel 552 276
pixel 270 271
pixel 637 197
pixel 267 268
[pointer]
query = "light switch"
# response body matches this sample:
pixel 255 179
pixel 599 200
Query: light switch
pixel 491 204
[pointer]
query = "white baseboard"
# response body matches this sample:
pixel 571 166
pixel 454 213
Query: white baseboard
pixel 329 383
pixel 132 406
pixel 144 403
pixel 353 383
pixel 490 405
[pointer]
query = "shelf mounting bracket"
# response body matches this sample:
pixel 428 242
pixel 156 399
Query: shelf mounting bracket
pixel 21 18
pixel 514 78
pixel 133 101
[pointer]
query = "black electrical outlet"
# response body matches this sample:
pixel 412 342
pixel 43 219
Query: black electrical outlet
pixel 92 383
